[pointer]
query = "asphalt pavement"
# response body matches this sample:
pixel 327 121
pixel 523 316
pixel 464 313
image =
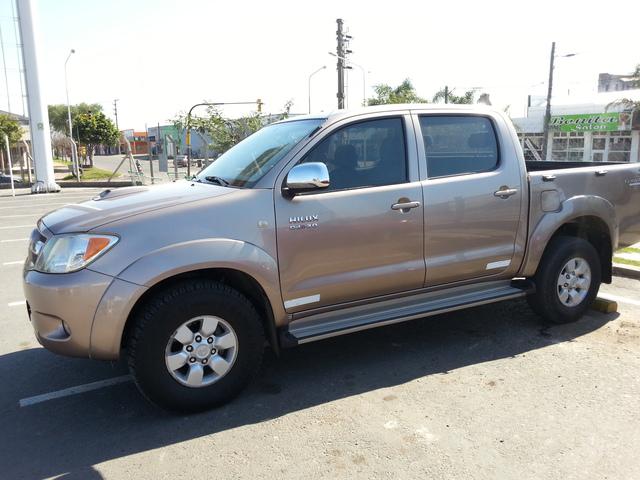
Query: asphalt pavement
pixel 484 393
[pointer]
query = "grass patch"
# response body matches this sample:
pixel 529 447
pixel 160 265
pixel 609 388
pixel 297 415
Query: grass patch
pixel 626 261
pixel 93 174
pixel 629 250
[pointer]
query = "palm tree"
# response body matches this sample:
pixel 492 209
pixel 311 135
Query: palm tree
pixel 446 95
pixel 403 93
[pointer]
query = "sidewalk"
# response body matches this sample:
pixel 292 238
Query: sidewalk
pixel 631 253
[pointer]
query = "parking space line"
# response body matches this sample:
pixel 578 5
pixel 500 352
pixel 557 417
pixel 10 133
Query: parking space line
pixel 65 392
pixel 618 298
pixel 31 225
pixel 16 304
pixel 14 240
pixel 15 262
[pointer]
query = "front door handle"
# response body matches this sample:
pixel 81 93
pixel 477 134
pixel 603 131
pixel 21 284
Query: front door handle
pixel 505 192
pixel 404 207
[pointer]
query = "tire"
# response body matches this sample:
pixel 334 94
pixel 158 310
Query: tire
pixel 191 304
pixel 559 302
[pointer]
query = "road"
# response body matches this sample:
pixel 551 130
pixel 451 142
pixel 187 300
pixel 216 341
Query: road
pixel 483 393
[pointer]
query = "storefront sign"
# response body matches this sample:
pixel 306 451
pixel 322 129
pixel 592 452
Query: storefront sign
pixel 590 122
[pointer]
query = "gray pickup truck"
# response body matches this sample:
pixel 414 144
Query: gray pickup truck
pixel 320 226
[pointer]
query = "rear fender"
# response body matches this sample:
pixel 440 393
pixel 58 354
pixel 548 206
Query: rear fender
pixel 572 208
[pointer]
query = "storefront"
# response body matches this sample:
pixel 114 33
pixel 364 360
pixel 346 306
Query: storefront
pixel 576 137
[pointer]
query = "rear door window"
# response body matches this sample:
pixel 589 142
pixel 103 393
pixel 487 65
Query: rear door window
pixel 458 145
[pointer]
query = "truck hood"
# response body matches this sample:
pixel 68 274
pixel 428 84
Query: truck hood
pixel 120 203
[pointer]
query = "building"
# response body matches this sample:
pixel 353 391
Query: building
pixel 138 141
pixel 593 130
pixel 616 83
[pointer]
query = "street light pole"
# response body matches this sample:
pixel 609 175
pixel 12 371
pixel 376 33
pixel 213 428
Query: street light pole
pixel 309 84
pixel 74 154
pixel 547 112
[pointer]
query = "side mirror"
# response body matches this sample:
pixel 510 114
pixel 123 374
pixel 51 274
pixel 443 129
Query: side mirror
pixel 307 177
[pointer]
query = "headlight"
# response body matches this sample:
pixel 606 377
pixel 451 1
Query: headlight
pixel 68 253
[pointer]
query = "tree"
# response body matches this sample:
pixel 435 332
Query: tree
pixel 403 93
pixel 8 126
pixel 11 127
pixel 224 132
pixel 95 129
pixel 60 143
pixel 59 117
pixel 444 93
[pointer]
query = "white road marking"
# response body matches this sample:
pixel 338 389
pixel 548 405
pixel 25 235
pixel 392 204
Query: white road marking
pixel 617 298
pixel 31 225
pixel 16 304
pixel 36 205
pixel 33 201
pixel 14 240
pixel 15 262
pixel 66 392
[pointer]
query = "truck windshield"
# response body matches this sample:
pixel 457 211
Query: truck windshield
pixel 248 161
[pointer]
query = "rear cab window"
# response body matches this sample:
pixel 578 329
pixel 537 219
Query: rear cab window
pixel 458 144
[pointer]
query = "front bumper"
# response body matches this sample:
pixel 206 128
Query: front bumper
pixel 80 314
pixel 62 308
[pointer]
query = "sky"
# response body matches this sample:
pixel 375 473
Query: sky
pixel 160 57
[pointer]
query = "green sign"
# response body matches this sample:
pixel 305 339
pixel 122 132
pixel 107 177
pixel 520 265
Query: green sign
pixel 591 122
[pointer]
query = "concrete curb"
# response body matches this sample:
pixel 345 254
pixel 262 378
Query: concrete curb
pixel 627 271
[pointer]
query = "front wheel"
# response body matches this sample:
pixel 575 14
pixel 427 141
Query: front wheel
pixel 567 280
pixel 195 345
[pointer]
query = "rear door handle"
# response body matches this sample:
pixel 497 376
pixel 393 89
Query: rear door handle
pixel 505 192
pixel 404 207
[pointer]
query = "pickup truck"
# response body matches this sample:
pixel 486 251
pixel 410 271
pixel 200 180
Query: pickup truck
pixel 319 226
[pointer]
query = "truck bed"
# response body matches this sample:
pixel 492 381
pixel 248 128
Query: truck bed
pixel 536 166
pixel 613 186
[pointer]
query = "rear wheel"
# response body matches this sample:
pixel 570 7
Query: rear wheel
pixel 195 345
pixel 567 280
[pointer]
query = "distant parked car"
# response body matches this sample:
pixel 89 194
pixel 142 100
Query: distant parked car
pixel 7 179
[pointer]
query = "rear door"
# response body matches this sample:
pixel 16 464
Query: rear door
pixel 352 241
pixel 473 198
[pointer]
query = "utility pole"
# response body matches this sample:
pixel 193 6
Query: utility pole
pixel 547 112
pixel 115 111
pixel 341 53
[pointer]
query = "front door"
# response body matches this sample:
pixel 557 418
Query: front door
pixel 473 199
pixel 352 241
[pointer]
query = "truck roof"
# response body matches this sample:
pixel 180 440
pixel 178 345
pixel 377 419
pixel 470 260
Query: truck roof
pixel 344 113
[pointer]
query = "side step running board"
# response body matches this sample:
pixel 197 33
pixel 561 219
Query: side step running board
pixel 363 317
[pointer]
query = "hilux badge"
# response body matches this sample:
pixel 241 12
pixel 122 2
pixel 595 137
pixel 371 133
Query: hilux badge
pixel 303 221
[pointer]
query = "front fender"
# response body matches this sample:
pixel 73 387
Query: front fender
pixel 549 223
pixel 173 260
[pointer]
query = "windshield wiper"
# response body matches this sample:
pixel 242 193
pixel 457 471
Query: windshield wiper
pixel 219 180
